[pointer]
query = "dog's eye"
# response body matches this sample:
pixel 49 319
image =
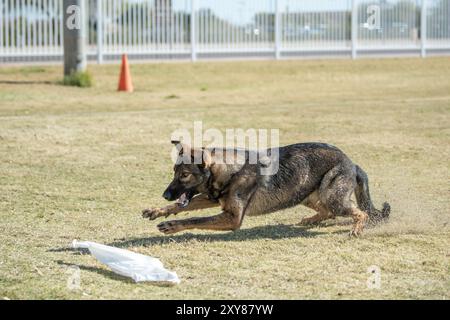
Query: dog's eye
pixel 185 174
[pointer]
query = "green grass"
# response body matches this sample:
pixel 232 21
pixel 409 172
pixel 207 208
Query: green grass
pixel 82 164
pixel 78 79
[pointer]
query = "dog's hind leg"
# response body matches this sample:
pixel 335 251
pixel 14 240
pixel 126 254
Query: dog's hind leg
pixel 313 202
pixel 336 193
pixel 360 219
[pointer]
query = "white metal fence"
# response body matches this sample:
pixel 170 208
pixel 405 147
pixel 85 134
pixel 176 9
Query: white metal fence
pixel 32 29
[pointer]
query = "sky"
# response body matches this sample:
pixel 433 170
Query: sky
pixel 242 11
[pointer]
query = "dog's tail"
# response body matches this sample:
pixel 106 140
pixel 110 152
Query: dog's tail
pixel 365 203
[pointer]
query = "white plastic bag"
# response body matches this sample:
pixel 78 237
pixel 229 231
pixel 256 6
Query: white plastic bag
pixel 130 264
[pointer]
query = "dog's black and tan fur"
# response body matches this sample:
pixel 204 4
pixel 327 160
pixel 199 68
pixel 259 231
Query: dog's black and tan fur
pixel 317 175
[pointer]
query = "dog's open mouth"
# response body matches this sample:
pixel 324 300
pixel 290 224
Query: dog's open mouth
pixel 183 200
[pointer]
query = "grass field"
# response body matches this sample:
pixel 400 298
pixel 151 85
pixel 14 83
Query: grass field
pixel 82 164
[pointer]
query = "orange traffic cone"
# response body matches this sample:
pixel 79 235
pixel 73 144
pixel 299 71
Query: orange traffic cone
pixel 125 83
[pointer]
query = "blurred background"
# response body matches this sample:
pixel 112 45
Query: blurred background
pixel 32 30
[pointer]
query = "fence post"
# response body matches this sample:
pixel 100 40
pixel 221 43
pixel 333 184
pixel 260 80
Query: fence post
pixel 423 29
pixel 277 30
pixel 74 36
pixel 1 27
pixel 99 32
pixel 354 26
pixel 193 31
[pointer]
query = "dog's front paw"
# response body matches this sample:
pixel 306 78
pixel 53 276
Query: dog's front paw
pixel 152 213
pixel 169 227
pixel 355 232
pixel 306 222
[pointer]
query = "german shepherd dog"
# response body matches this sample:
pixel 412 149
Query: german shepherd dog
pixel 316 175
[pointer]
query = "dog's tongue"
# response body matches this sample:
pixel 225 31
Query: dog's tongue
pixel 183 200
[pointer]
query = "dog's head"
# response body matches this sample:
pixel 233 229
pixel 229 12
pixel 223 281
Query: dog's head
pixel 191 174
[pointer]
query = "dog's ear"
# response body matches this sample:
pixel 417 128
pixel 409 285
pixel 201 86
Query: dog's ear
pixel 182 148
pixel 195 154
pixel 179 146
pixel 201 157
pixel 206 158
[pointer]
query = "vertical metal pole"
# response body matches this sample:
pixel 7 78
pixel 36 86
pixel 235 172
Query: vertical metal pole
pixel 277 30
pixel 74 36
pixel 35 27
pixel 423 29
pixel 354 26
pixel 193 31
pixel 17 26
pixel 1 26
pixel 6 26
pixel 46 27
pixel 39 25
pixel 99 31
pixel 54 27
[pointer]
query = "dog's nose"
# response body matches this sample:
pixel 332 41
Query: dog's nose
pixel 167 195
